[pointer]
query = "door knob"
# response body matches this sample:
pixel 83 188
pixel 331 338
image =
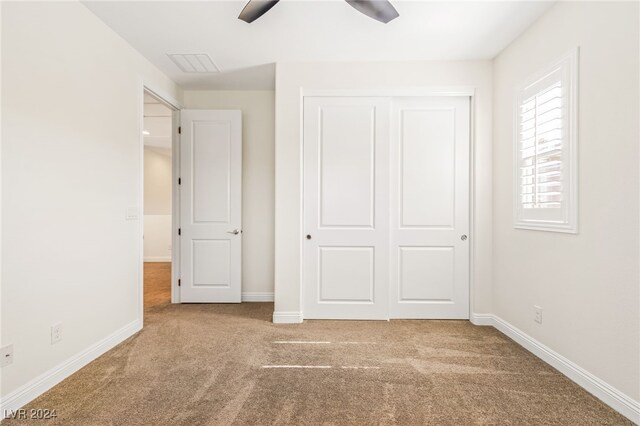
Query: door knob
pixel 308 237
pixel 234 232
pixel 463 238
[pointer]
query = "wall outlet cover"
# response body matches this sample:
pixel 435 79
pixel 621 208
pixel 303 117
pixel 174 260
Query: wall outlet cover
pixel 131 213
pixel 538 314
pixel 56 333
pixel 6 352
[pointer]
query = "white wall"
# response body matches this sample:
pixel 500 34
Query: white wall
pixel 157 204
pixel 1 185
pixel 587 284
pixel 257 178
pixel 292 77
pixel 71 166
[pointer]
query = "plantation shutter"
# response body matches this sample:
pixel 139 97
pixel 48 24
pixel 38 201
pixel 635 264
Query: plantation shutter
pixel 545 152
pixel 541 149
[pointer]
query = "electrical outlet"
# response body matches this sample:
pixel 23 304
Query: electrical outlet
pixel 56 333
pixel 6 352
pixel 538 314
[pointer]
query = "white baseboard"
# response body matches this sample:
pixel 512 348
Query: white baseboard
pixel 287 317
pixel 28 392
pixel 482 319
pixel 257 297
pixel 617 400
pixel 157 259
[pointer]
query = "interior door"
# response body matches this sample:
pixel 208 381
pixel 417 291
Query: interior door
pixel 210 206
pixel 346 222
pixel 430 208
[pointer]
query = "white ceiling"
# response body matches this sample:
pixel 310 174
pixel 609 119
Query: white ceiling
pixel 310 30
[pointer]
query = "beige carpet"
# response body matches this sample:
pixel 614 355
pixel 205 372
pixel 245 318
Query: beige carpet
pixel 205 364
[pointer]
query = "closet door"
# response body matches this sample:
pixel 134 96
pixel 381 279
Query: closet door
pixel 346 208
pixel 430 208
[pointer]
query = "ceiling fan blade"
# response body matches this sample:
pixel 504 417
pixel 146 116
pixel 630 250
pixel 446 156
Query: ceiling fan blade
pixel 255 9
pixel 380 10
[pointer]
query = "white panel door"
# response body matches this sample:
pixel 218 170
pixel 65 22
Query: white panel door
pixel 210 206
pixel 346 205
pixel 430 208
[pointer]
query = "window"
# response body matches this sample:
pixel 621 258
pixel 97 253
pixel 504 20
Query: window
pixel 545 149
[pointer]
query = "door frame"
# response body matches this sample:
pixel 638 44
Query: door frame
pixel 440 91
pixel 175 105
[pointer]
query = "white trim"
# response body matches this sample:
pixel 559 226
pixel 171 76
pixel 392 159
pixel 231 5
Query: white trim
pixel 175 105
pixel 257 296
pixel 393 92
pixel 472 202
pixel 140 254
pixel 154 259
pixel 611 396
pixel 287 317
pixel 541 226
pixel 163 96
pixel 36 387
pixel 175 208
pixel 301 292
pixel 481 319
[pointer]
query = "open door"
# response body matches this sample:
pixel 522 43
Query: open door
pixel 210 206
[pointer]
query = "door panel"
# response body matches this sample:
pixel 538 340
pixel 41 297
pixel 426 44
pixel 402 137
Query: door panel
pixel 346 147
pixel 427 167
pixel 426 274
pixel 211 263
pixel 346 274
pixel 210 206
pixel 346 178
pixel 429 208
pixel 211 171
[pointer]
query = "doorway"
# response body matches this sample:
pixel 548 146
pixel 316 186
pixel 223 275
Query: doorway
pixel 386 207
pixel 158 201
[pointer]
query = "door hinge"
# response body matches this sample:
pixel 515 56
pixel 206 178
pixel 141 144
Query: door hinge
pixel 179 231
pixel 179 130
pixel 179 283
pixel 179 181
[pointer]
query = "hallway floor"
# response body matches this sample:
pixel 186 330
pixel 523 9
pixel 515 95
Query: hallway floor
pixel 228 364
pixel 157 284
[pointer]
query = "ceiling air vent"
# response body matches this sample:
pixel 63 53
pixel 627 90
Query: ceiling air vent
pixel 194 62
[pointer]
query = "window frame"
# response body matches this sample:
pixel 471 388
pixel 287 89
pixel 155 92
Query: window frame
pixel 565 220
